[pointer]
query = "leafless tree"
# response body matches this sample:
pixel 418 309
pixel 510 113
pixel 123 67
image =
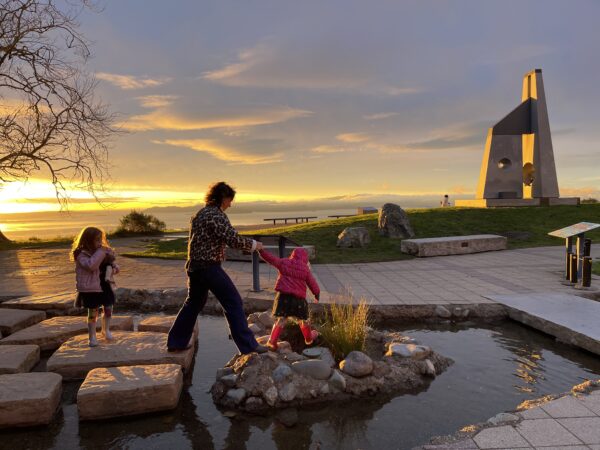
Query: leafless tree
pixel 50 120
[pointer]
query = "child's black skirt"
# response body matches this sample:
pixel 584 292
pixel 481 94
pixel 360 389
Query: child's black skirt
pixel 94 300
pixel 288 305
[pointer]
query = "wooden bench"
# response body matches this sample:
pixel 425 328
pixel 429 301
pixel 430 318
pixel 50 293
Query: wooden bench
pixel 285 219
pixel 337 216
pixel 453 245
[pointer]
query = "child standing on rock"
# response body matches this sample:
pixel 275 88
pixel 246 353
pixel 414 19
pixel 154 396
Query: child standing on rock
pixel 290 300
pixel 93 256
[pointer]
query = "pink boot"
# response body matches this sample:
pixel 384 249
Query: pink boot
pixel 275 332
pixel 309 334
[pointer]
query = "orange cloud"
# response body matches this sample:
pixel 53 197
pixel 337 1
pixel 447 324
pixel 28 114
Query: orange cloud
pixel 157 101
pixel 131 82
pixel 222 151
pixel 352 137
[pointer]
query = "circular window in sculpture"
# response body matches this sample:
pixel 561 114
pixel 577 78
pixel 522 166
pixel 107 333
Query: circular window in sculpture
pixel 528 174
pixel 504 163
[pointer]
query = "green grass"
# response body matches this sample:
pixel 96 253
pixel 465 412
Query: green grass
pixel 524 227
pixel 596 268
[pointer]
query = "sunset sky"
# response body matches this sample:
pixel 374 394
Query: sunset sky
pixel 299 100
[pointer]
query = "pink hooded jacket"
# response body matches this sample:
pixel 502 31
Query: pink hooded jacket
pixel 87 270
pixel 294 273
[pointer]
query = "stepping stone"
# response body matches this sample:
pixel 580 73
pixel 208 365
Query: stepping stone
pixel 160 324
pixel 12 320
pixel 18 358
pixel 129 390
pixel 75 358
pixel 29 399
pixel 52 333
pixel 54 304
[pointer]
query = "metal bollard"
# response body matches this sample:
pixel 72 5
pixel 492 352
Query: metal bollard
pixel 587 247
pixel 586 277
pixel 573 269
pixel 568 266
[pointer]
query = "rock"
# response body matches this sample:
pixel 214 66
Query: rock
pixel 327 357
pixel 129 390
pixel 236 395
pixel 282 372
pixel 413 351
pixel 324 390
pixel 354 237
pixel 54 303
pixel 253 318
pixel 314 368
pixel 337 380
pixel 465 313
pixel 393 222
pixel 266 319
pixel 74 359
pixel 229 380
pixel 29 399
pixel 313 352
pixel 18 358
pixel 12 320
pixel 288 392
pixel 442 311
pixel 503 418
pixel 223 371
pixel 288 417
pixel 429 369
pixel 262 340
pixel 357 364
pixel 284 347
pixel 255 328
pixel 293 357
pixel 254 404
pixel 52 333
pixel 160 324
pixel 270 395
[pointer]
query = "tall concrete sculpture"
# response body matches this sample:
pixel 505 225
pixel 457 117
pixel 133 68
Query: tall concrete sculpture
pixel 518 163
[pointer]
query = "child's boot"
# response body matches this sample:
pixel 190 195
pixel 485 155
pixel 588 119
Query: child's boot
pixel 275 332
pixel 92 334
pixel 309 334
pixel 106 327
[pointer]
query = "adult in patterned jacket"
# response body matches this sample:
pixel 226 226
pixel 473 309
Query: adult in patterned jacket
pixel 210 232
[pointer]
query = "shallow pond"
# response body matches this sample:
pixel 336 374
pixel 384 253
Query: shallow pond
pixel 496 367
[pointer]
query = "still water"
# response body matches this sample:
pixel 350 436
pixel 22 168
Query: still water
pixel 496 367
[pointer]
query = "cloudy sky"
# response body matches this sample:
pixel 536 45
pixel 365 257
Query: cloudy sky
pixel 292 100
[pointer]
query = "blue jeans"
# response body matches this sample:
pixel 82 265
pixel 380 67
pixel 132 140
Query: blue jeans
pixel 200 281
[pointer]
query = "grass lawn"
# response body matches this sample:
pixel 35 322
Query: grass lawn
pixel 596 267
pixel 524 227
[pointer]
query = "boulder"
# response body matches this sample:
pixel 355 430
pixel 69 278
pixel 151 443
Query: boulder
pixel 52 333
pixel 393 222
pixel 313 352
pixel 412 351
pixel 129 390
pixel 12 320
pixel 337 380
pixel 74 359
pixel 18 358
pixel 313 368
pixel 443 312
pixel 354 237
pixel 229 380
pixel 428 369
pixel 266 319
pixel 236 395
pixel 270 395
pixel 282 372
pixel 288 392
pixel 29 399
pixel 254 404
pixel 357 364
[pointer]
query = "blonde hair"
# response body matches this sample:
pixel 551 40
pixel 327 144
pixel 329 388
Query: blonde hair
pixel 85 241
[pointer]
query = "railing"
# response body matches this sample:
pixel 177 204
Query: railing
pixel 281 241
pixel 285 219
pixel 337 216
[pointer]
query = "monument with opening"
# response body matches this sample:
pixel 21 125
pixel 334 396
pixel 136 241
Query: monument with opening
pixel 518 166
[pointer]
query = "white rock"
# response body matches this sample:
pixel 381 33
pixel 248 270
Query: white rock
pixel 429 369
pixel 29 399
pixel 503 418
pixel 337 381
pixel 129 390
pixel 18 358
pixel 255 328
pixel 288 392
pixel 266 319
pixel 314 368
pixel 270 395
pixel 236 395
pixel 413 351
pixel 442 311
pixel 357 364
pixel 313 352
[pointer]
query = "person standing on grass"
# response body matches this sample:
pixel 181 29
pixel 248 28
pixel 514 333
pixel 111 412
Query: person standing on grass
pixel 210 232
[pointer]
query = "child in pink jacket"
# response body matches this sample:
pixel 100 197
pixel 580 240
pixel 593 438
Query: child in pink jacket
pixel 290 300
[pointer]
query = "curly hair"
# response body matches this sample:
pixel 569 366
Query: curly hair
pixel 85 241
pixel 217 193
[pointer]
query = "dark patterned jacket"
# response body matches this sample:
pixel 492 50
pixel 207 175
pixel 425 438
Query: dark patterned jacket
pixel 210 232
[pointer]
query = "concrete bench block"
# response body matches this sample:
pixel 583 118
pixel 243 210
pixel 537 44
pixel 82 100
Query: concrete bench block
pixel 453 245
pixel 12 320
pixel 129 390
pixel 18 358
pixel 29 399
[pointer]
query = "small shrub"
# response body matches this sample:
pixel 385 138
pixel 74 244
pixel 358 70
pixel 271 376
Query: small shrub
pixel 344 328
pixel 137 222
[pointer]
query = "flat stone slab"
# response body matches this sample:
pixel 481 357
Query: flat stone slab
pixel 160 324
pixel 129 390
pixel 29 399
pixel 53 304
pixel 74 359
pixel 52 333
pixel 12 320
pixel 18 358
pixel 453 245
pixel 567 317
